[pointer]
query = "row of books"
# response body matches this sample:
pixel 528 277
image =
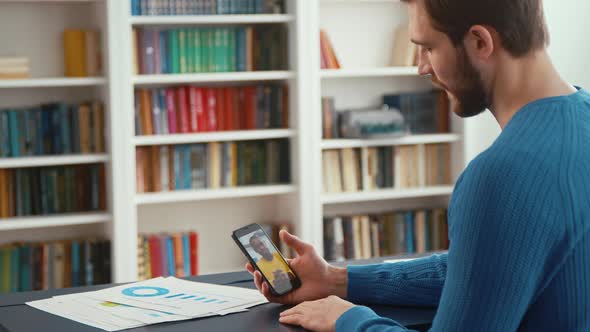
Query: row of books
pixel 205 7
pixel 328 59
pixel 404 166
pixel 14 67
pixel 50 265
pixel 210 49
pixel 212 165
pixel 400 232
pixel 191 109
pixel 423 113
pixel 163 255
pixel 52 129
pixel 82 53
pixel 50 190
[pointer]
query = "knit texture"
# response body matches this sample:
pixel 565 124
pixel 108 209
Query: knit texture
pixel 519 221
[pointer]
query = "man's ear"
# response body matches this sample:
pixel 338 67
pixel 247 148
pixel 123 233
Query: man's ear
pixel 479 42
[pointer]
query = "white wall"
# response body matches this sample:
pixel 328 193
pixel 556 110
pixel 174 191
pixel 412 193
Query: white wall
pixel 570 50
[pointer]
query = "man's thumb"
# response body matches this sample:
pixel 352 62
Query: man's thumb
pixel 294 242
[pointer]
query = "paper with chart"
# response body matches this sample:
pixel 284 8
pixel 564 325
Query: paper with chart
pixel 150 302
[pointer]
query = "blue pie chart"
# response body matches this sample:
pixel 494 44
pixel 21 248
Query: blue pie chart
pixel 145 291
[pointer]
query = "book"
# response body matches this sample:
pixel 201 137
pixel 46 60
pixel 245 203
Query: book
pixel 404 53
pixel 385 234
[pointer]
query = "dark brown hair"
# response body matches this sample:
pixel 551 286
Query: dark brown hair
pixel 520 23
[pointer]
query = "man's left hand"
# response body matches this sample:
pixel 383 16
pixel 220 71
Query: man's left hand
pixel 320 315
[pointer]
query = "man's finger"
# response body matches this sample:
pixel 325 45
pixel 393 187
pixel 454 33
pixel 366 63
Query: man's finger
pixel 258 280
pixel 295 319
pixel 294 242
pixel 249 268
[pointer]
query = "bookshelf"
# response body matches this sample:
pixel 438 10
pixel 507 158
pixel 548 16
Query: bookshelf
pixel 211 19
pixel 210 194
pixel 57 82
pixel 360 82
pixel 214 213
pixel 56 160
pixel 53 221
pixel 33 29
pixel 222 136
pixel 369 72
pixel 143 80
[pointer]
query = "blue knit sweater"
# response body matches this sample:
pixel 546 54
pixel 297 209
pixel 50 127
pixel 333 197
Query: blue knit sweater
pixel 519 226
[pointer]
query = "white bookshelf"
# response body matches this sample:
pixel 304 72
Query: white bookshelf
pixel 213 213
pixel 33 28
pixel 368 72
pixel 255 76
pixel 211 19
pixel 221 136
pixel 56 160
pixel 210 194
pixel 365 75
pixel 386 195
pixel 403 140
pixel 53 221
pixel 57 82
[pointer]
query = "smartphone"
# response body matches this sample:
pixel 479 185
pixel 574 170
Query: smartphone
pixel 266 258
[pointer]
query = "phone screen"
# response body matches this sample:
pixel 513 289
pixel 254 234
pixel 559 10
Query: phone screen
pixel 269 260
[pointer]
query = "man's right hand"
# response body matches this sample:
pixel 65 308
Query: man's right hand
pixel 318 278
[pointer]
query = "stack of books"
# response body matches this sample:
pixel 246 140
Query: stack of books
pixel 192 109
pixel 212 165
pixel 423 113
pixel 82 53
pixel 400 167
pixel 49 265
pixel 50 129
pixel 399 232
pixel 14 67
pixel 206 7
pixel 163 255
pixel 210 49
pixel 51 190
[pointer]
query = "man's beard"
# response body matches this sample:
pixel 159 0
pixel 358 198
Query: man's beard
pixel 470 99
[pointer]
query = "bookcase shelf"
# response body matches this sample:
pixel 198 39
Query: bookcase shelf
pixel 404 140
pixel 55 160
pixel 222 136
pixel 209 194
pixel 141 80
pixel 386 194
pixel 210 19
pixel 56 82
pixel 53 220
pixel 368 72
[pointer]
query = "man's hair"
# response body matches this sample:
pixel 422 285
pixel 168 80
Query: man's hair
pixel 520 23
pixel 255 236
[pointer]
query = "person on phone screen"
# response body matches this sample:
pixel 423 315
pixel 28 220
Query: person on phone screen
pixel 270 263
pixel 519 215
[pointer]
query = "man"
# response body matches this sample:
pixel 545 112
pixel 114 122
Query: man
pixel 270 264
pixel 519 217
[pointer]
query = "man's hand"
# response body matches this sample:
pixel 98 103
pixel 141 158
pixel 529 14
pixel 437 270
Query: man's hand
pixel 320 315
pixel 318 278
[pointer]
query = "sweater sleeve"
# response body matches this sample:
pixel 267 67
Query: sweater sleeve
pixel 505 239
pixel 418 282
